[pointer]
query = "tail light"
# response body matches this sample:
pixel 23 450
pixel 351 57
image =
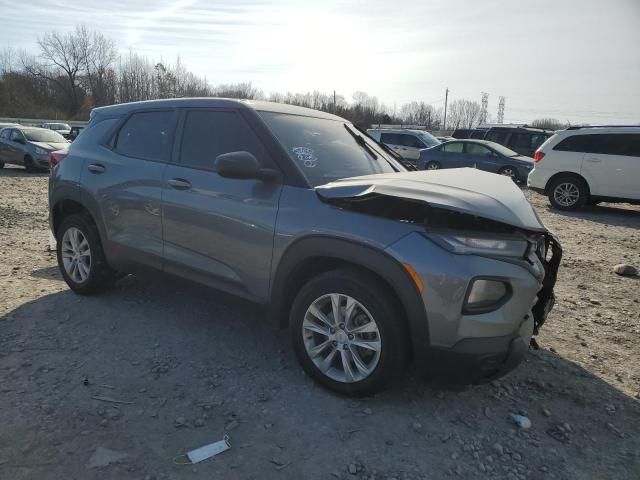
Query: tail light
pixel 538 156
pixel 56 157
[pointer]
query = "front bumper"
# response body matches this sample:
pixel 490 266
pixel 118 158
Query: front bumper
pixel 42 161
pixel 478 347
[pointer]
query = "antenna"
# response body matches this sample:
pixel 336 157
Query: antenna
pixel 483 111
pixel 501 110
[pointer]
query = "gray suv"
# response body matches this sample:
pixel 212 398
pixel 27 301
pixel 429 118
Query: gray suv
pixel 369 265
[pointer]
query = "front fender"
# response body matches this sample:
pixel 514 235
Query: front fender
pixel 355 254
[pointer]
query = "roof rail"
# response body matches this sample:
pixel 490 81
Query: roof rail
pixel 578 127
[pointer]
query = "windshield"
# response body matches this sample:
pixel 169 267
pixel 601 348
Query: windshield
pixel 502 150
pixel 326 150
pixel 59 126
pixel 428 139
pixel 42 135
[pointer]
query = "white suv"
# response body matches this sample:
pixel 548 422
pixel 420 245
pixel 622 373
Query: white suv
pixel 406 143
pixel 587 165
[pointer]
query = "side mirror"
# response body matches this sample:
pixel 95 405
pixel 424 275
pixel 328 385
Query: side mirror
pixel 243 165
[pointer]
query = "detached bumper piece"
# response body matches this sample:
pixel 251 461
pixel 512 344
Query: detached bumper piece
pixel 546 297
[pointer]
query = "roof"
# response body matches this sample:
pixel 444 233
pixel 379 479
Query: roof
pixel 396 130
pixel 214 102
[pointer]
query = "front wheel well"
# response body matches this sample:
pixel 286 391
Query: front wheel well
pixel 567 175
pixel 314 266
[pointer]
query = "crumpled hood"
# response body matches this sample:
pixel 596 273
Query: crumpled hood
pixel 464 190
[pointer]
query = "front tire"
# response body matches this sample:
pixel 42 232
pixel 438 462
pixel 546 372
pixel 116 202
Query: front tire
pixel 29 165
pixel 433 165
pixel 568 193
pixel 80 256
pixel 348 333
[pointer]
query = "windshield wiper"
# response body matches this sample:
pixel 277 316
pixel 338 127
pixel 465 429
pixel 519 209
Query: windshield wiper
pixel 361 141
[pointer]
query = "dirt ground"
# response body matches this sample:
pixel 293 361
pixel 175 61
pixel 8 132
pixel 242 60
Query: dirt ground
pixel 187 364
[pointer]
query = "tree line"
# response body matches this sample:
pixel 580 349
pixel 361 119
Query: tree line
pixel 71 73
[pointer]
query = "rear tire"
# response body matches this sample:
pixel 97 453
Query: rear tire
pixel 509 172
pixel 80 256
pixel 433 165
pixel 568 193
pixel 343 364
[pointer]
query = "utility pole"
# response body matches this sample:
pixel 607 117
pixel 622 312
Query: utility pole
pixel 446 98
pixel 501 110
pixel 483 110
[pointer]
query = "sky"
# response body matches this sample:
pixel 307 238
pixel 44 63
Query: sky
pixel 574 60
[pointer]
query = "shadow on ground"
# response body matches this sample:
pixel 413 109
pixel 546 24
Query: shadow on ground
pixel 159 366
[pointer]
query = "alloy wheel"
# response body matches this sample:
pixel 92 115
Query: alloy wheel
pixel 76 255
pixel 433 166
pixel 341 338
pixel 566 194
pixel 508 172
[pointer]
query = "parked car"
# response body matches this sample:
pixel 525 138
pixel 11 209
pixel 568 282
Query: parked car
pixel 587 165
pixel 73 134
pixel 445 139
pixel 29 146
pixel 62 128
pixel 480 154
pixel 406 143
pixel 368 264
pixel 7 125
pixel 463 133
pixel 524 140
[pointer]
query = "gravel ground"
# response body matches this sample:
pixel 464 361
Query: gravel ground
pixel 186 364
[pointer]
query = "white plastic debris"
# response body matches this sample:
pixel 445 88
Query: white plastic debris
pixel 208 451
pixel 521 421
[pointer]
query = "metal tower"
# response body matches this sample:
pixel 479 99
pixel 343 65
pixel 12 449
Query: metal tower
pixel 483 110
pixel 501 110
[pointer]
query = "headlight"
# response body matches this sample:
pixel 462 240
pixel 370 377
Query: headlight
pixel 469 245
pixel 486 295
pixel 41 151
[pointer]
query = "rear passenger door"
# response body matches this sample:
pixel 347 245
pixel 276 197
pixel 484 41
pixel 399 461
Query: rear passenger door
pixel 453 155
pixel 613 161
pixel 124 178
pixel 217 230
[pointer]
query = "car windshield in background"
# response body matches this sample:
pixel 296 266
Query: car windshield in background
pixel 324 150
pixel 429 140
pixel 59 126
pixel 42 135
pixel 502 150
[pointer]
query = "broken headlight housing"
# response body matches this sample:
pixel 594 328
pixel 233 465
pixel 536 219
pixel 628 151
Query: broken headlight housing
pixel 465 244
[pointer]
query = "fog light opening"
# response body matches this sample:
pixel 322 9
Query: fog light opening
pixel 485 295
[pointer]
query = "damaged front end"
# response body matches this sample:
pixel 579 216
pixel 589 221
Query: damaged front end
pixel 464 201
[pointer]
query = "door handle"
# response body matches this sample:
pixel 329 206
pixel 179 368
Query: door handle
pixel 593 160
pixel 96 168
pixel 179 184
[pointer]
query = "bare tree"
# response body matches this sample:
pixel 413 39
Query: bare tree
pixel 98 57
pixel 464 114
pixel 550 123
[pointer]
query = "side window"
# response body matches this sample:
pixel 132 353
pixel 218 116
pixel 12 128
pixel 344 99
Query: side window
pixel 453 147
pixel 16 135
pixel 478 150
pixel 208 134
pixel 521 140
pixel 146 135
pixel 575 143
pixel 498 136
pixel 618 144
pixel 411 141
pixel 4 134
pixel 390 138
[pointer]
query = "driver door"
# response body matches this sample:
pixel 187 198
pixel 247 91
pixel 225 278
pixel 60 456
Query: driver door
pixel 218 231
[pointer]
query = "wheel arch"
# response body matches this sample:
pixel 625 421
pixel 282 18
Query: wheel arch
pixel 311 256
pixel 555 176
